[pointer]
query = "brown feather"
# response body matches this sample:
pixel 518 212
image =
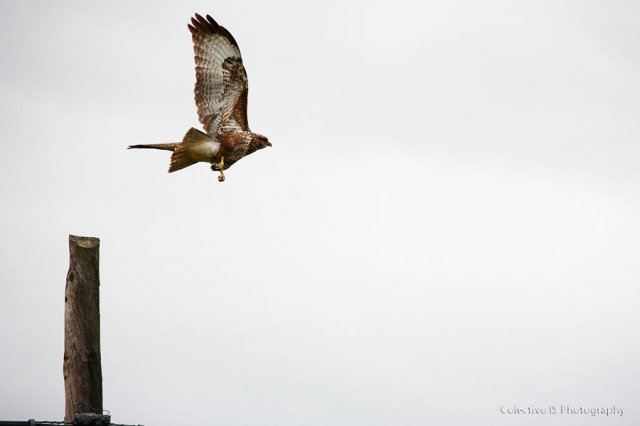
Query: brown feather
pixel 221 80
pixel 165 146
pixel 180 158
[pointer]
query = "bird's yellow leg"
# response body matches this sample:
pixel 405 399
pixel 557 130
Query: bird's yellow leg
pixel 220 167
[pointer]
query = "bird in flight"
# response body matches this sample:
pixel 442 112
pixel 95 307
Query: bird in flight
pixel 221 97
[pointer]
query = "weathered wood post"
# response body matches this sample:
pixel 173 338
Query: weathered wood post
pixel 82 368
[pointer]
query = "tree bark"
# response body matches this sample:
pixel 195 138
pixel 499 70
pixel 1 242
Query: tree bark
pixel 82 367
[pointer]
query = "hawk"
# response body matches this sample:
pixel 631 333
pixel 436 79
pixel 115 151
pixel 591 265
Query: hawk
pixel 221 97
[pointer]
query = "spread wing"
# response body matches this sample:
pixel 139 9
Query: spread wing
pixel 221 80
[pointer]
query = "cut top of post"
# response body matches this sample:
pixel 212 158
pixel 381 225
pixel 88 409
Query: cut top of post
pixel 84 242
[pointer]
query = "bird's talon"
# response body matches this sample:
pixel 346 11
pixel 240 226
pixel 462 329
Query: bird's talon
pixel 221 178
pixel 218 166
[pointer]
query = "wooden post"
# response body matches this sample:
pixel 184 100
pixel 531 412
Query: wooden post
pixel 82 368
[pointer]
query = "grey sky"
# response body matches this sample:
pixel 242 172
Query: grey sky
pixel 447 221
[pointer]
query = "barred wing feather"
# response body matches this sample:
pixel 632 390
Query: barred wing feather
pixel 221 80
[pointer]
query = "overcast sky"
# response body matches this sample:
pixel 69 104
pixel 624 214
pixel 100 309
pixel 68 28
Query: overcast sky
pixel 447 222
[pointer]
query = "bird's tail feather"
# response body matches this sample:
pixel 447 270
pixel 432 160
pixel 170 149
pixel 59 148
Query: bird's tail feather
pixel 165 146
pixel 183 155
pixel 180 158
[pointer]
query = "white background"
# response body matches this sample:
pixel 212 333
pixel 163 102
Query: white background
pixel 447 222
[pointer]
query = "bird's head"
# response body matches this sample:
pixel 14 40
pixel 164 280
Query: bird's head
pixel 260 141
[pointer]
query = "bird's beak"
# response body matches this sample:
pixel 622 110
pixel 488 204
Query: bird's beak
pixel 268 143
